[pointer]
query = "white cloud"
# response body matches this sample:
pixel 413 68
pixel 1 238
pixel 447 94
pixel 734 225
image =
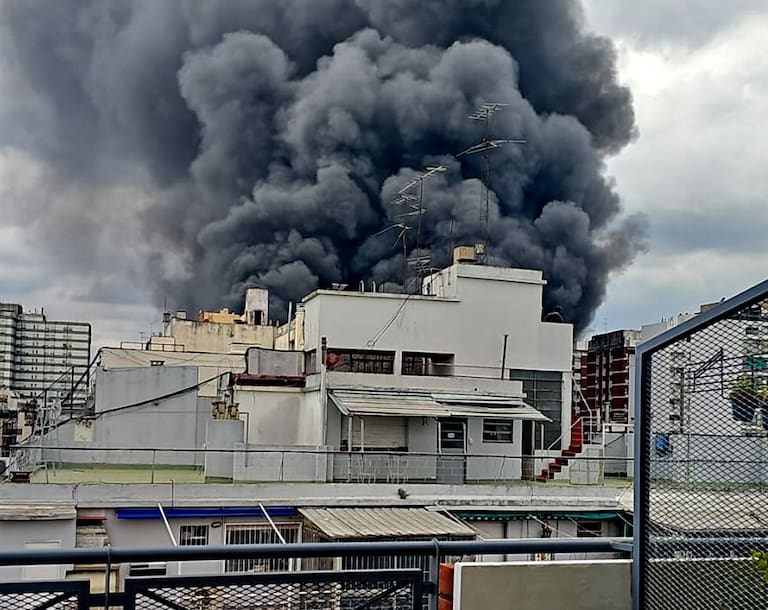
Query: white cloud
pixel 697 170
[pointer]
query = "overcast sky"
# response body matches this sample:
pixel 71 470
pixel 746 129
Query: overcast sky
pixel 699 76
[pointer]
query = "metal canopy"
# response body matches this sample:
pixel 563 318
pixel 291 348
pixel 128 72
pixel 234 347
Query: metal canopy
pixel 426 404
pixel 356 523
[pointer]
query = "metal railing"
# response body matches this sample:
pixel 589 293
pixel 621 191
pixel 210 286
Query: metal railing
pixel 397 588
pixel 702 459
pixel 82 463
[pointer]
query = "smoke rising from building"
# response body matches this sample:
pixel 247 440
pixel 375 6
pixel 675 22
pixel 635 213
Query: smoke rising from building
pixel 275 134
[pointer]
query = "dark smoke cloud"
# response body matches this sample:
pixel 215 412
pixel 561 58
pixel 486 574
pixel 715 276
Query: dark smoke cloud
pixel 274 134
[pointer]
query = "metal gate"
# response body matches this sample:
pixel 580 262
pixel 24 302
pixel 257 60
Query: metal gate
pixel 369 590
pixel 701 471
pixel 54 595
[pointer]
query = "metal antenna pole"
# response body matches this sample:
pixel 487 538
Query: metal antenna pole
pixel 484 113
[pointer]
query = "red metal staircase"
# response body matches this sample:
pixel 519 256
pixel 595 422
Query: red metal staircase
pixel 577 444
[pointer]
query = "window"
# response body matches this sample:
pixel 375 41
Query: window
pixel 589 529
pixel 436 365
pixel 497 431
pixel 193 535
pixel 543 390
pixel 260 534
pixel 369 361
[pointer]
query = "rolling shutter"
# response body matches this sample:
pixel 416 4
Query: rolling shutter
pixel 380 432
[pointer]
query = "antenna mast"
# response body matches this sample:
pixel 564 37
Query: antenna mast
pixel 484 113
pixel 414 204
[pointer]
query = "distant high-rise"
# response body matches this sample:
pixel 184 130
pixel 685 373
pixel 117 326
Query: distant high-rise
pixel 42 358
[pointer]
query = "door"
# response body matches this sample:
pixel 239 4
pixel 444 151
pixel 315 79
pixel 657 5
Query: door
pixel 452 460
pixel 529 462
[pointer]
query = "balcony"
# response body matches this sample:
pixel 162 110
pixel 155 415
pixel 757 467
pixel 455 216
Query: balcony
pixel 410 575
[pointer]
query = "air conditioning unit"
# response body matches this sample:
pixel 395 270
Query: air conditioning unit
pixel 153 568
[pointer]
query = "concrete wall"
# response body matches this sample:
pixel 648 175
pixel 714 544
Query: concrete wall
pixel 222 434
pixel 493 467
pixel 196 336
pixel 281 416
pixel 15 534
pixel 175 422
pixel 208 365
pixel 577 585
pixel 287 464
pixel 470 323
pixel 714 459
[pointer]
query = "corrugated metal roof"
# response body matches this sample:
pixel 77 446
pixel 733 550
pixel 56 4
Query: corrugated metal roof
pixel 425 404
pixel 345 523
pixel 37 512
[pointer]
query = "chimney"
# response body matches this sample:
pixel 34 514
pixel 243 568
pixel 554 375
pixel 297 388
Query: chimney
pixel 256 306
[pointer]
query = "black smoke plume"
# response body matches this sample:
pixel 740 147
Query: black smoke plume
pixel 276 133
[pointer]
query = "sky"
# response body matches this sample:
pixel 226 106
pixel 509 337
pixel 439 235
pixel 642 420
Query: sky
pixel 699 79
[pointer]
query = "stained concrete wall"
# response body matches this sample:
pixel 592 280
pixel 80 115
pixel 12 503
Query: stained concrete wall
pixel 169 422
pixel 14 535
pixel 538 585
pixel 209 365
pixel 281 416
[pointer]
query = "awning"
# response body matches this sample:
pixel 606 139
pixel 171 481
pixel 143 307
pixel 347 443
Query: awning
pixel 199 513
pixel 346 523
pixel 427 404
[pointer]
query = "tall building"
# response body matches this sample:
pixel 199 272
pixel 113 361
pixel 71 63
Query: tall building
pixel 42 358
pixel 608 383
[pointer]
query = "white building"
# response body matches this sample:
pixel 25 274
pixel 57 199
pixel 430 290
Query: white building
pixel 445 385
pixel 42 358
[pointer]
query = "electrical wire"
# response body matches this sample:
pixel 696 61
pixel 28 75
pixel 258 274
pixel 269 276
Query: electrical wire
pixel 134 405
pixel 371 343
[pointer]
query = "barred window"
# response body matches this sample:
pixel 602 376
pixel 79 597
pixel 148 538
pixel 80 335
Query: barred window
pixel 193 535
pixel 260 534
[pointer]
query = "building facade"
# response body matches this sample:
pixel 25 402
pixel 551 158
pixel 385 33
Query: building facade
pixel 43 359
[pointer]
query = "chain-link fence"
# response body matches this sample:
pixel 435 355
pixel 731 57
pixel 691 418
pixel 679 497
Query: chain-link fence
pixel 702 485
pixel 71 595
pixel 384 590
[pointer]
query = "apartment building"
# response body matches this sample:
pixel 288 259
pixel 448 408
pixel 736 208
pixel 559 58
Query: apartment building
pixel 42 358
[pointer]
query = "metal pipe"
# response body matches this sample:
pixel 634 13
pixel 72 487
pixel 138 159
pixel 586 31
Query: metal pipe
pixel 167 525
pixel 504 356
pixel 272 524
pixel 315 549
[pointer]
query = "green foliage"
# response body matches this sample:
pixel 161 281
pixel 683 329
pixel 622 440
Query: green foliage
pixel 760 559
pixel 746 384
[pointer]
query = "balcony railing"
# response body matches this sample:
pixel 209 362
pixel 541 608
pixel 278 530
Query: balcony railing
pixel 257 464
pixel 392 587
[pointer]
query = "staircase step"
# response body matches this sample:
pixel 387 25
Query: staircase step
pixel 562 461
pixel 568 453
pixel 554 467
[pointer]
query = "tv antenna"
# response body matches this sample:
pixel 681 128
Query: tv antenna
pixel 414 204
pixel 484 113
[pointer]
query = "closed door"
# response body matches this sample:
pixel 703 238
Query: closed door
pixel 452 463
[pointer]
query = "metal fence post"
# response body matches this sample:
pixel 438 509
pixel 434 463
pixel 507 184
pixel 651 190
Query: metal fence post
pixel 434 575
pixel 108 577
